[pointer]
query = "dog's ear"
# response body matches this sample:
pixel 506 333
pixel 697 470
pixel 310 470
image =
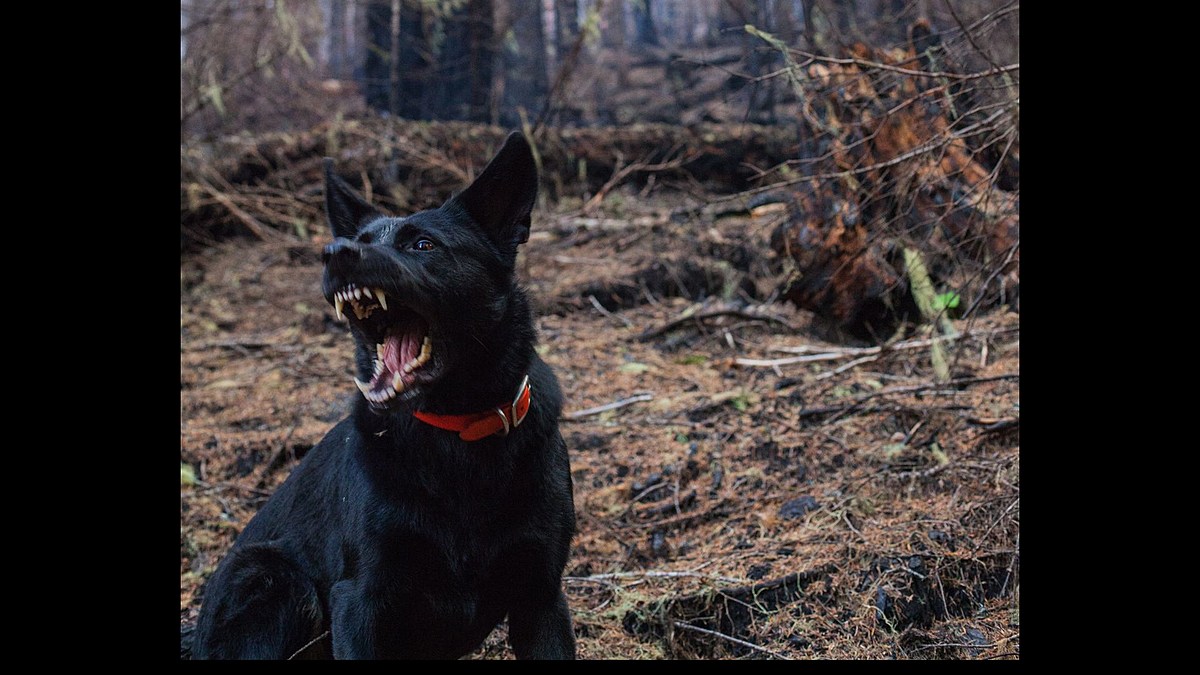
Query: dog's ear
pixel 501 198
pixel 345 209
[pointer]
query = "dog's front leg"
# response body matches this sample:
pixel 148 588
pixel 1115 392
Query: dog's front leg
pixel 354 621
pixel 542 630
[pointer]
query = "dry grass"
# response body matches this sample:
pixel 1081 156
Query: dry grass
pixel 828 509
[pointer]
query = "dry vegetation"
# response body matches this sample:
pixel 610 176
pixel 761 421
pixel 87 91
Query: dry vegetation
pixel 780 449
pixel 762 493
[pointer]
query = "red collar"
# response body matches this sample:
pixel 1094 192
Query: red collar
pixel 474 426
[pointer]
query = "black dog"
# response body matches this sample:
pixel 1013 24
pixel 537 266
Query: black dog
pixel 443 502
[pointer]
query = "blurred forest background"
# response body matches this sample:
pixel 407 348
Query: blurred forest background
pixel 893 124
pixel 775 263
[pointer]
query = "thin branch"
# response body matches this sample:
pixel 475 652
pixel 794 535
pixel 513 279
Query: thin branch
pixel 751 645
pixel 841 353
pixel 742 314
pixel 855 61
pixel 608 406
pixel 843 368
pixel 260 230
pixel 621 173
pixel 849 173
pixel 310 643
pixel 652 574
pixel 600 308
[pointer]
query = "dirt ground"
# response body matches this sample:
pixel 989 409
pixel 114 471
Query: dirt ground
pixel 738 503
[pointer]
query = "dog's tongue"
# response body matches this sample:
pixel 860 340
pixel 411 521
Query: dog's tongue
pixel 399 348
pixel 405 349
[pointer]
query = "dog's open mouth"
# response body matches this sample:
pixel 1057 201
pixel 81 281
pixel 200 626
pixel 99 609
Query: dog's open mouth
pixel 403 346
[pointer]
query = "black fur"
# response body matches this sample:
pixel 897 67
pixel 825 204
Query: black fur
pixel 400 538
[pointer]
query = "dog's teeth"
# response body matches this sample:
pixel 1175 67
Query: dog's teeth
pixel 367 292
pixel 363 387
pixel 397 382
pixel 378 366
pixel 409 367
pixel 358 294
pixel 381 298
pixel 337 307
pixel 379 351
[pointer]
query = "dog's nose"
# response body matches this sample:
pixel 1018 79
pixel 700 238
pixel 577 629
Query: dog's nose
pixel 341 248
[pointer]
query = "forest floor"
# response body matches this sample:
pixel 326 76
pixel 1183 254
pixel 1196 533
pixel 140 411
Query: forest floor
pixel 841 507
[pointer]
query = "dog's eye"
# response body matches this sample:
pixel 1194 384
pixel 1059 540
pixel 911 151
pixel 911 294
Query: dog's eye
pixel 423 245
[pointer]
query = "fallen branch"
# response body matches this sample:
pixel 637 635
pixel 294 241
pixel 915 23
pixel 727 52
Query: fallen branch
pixel 834 353
pixel 857 400
pixel 260 230
pixel 741 314
pixel 751 645
pixel 652 574
pixel 600 308
pixel 620 173
pixel 608 406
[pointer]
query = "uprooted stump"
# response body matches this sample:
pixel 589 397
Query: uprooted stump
pixel 900 159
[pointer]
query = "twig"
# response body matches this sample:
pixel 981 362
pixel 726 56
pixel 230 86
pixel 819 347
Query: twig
pixel 261 231
pixel 856 402
pixel 843 368
pixel 993 525
pixel 608 406
pixel 310 643
pixel 854 61
pixel 833 353
pixel 600 308
pixel 996 272
pixel 988 645
pixel 931 146
pixel 741 314
pixel 751 645
pixel 652 574
pixel 232 486
pixel 621 173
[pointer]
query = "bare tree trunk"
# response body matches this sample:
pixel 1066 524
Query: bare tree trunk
pixel 393 167
pixel 336 60
pixel 480 15
pixel 566 26
pixel 394 64
pixel 525 79
pixel 643 22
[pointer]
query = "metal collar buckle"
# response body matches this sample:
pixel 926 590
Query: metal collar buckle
pixel 517 417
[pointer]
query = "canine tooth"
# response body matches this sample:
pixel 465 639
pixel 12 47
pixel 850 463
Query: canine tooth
pixel 381 298
pixel 397 383
pixel 337 308
pixel 362 386
pixel 379 351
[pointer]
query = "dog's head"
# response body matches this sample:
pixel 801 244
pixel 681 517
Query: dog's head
pixel 425 294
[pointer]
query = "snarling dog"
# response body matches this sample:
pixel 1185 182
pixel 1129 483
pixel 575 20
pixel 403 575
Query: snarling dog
pixel 443 503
